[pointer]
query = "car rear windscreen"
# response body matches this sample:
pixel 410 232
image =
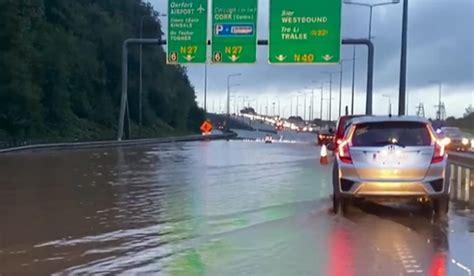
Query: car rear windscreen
pixel 384 133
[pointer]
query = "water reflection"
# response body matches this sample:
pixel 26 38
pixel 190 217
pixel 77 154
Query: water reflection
pixel 404 234
pixel 122 210
pixel 340 253
pixel 205 208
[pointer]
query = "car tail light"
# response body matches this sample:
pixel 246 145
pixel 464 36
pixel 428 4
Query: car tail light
pixel 439 152
pixel 344 153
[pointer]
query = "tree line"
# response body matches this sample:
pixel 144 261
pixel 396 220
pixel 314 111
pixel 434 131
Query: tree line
pixel 60 71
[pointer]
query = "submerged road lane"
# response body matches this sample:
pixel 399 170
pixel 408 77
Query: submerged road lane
pixel 209 208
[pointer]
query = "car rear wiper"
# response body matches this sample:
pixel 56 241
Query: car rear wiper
pixel 386 143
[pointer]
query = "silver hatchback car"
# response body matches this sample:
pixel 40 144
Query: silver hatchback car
pixel 391 157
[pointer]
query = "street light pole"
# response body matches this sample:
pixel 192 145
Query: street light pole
pixel 403 61
pixel 297 105
pixel 330 92
pixel 371 6
pixel 330 96
pixel 291 106
pixel 340 89
pixel 321 94
pixel 353 78
pixel 321 110
pixel 329 105
pixel 235 104
pixel 370 21
pixel 389 103
pixel 205 88
pixel 340 83
pixel 279 107
pixel 309 107
pixel 322 104
pixel 140 92
pixel 304 113
pixel 407 107
pixel 228 92
pixel 329 112
pixel 329 115
pixel 228 97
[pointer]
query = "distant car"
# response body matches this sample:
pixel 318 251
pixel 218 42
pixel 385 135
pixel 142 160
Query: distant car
pixel 325 137
pixel 391 158
pixel 454 138
pixel 341 128
pixel 268 139
pixel 279 126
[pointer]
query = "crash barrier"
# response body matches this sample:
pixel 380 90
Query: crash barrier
pixel 462 184
pixel 108 144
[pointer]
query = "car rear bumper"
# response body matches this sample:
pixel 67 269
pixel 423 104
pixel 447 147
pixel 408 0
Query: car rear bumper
pixel 433 184
pixel 374 189
pixel 457 146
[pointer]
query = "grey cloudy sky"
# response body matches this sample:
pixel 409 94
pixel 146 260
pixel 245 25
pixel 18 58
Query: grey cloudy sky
pixel 440 48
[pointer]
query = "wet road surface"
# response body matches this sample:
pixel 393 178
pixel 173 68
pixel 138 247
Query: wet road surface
pixel 210 208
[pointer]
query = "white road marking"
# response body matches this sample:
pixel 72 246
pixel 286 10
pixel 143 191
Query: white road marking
pixel 461 266
pixel 410 264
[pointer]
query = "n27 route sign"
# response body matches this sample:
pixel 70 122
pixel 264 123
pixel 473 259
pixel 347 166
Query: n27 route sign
pixel 234 31
pixel 305 31
pixel 187 31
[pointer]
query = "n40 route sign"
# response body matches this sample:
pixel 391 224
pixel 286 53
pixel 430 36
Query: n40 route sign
pixel 187 31
pixel 234 31
pixel 305 31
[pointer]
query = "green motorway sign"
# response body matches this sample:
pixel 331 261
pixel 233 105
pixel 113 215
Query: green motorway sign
pixel 305 31
pixel 234 31
pixel 187 31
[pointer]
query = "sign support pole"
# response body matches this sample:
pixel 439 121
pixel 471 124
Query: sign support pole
pixel 147 41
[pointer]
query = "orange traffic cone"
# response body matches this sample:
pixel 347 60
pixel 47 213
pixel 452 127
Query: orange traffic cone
pixel 323 160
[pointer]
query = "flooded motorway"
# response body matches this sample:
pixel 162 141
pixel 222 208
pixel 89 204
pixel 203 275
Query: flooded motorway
pixel 210 208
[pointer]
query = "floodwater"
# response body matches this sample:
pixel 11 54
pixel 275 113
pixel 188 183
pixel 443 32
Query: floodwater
pixel 210 208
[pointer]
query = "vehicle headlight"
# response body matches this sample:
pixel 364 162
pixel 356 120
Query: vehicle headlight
pixel 446 141
pixel 465 141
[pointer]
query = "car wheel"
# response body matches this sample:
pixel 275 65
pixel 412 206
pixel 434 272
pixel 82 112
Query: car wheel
pixel 340 205
pixel 441 207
